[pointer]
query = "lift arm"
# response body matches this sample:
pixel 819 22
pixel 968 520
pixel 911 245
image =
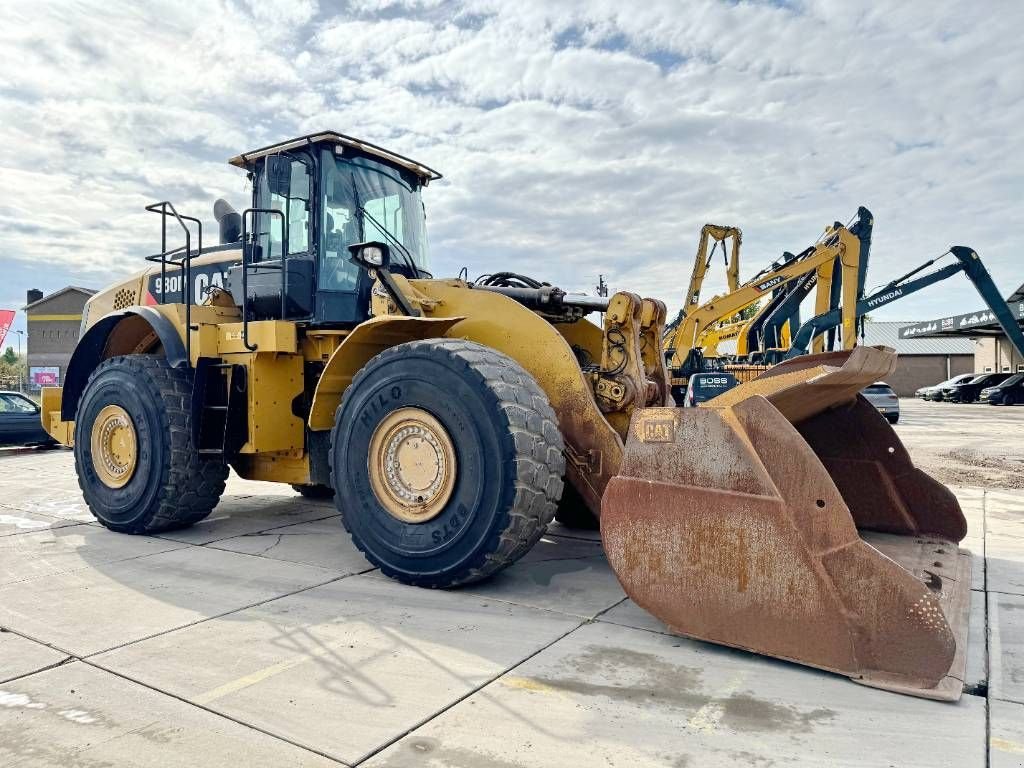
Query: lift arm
pixel 968 262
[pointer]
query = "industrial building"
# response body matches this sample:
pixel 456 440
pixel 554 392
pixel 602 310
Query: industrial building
pixel 53 325
pixel 992 351
pixel 921 361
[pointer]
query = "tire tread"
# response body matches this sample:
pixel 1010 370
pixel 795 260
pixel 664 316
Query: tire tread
pixel 535 460
pixel 191 486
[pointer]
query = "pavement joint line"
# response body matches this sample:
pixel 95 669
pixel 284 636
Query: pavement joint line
pixel 66 660
pixel 70 524
pixel 66 571
pixel 167 536
pixel 571 536
pixel 468 590
pixel 34 639
pixel 485 684
pixel 215 712
pixel 465 696
pixel 986 655
pixel 258 603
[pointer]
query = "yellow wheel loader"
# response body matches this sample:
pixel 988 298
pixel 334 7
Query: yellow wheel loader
pixel 313 347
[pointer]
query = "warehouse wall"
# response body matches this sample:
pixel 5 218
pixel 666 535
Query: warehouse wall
pixel 53 325
pixel 916 371
pixel 996 354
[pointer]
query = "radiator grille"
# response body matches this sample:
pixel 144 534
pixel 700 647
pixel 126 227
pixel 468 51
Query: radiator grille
pixel 124 298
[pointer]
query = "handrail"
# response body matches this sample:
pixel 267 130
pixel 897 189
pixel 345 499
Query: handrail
pixel 185 263
pixel 246 214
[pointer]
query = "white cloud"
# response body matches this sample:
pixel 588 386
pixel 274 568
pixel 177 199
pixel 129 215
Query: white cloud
pixel 576 138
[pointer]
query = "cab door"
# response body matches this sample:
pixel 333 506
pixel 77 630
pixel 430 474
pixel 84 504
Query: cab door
pixel 284 259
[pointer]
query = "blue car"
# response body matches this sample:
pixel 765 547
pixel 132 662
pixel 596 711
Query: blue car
pixel 19 421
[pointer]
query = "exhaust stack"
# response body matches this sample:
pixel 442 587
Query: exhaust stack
pixel 229 221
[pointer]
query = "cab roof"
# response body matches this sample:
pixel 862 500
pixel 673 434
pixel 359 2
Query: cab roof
pixel 425 173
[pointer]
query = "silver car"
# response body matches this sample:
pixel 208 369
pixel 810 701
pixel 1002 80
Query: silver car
pixel 884 399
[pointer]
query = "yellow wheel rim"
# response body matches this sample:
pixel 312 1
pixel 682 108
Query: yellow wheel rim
pixel 412 465
pixel 114 446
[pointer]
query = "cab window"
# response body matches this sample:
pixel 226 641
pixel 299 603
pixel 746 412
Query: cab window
pixel 285 186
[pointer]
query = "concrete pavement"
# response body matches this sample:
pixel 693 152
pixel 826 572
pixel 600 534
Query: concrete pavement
pixel 262 637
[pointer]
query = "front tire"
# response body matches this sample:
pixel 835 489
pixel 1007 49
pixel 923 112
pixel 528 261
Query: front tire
pixel 137 466
pixel 447 460
pixel 1009 399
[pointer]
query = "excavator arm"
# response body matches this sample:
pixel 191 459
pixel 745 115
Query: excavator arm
pixel 968 262
pixel 719 234
pixel 768 333
pixel 838 244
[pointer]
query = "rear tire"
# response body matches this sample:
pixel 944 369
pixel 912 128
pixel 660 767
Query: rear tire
pixel 314 491
pixel 168 485
pixel 893 418
pixel 492 444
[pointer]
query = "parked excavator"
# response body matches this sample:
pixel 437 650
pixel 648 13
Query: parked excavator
pixel 313 347
pixel 838 247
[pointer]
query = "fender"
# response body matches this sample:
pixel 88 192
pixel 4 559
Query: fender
pixel 92 347
pixel 367 340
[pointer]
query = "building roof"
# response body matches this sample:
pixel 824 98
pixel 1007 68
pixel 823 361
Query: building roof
pixel 887 334
pixel 61 292
pixel 982 322
pixel 339 139
pixel 1017 295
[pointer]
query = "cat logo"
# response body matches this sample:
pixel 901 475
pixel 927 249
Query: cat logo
pixel 658 430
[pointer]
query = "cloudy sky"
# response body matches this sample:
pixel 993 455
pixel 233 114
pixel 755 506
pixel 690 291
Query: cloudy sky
pixel 576 138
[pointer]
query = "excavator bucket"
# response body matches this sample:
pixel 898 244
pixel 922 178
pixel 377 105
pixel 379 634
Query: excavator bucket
pixel 786 518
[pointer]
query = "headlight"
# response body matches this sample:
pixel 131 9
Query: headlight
pixel 371 254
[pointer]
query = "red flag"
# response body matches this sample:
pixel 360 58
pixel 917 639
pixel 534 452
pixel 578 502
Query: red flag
pixel 6 318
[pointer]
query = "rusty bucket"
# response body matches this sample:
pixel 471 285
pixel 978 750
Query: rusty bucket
pixel 786 518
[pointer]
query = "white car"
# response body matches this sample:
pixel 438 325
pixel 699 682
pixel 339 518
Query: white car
pixel 884 399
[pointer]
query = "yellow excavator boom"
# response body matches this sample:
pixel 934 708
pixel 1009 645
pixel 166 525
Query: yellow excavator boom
pixel 719 234
pixel 838 244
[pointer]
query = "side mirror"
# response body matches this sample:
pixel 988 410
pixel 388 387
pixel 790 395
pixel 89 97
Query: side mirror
pixel 279 175
pixel 370 255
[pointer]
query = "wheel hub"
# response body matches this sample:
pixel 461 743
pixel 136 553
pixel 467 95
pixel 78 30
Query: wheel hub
pixel 412 465
pixel 114 446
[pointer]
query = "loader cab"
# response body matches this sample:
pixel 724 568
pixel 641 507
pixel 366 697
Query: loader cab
pixel 312 199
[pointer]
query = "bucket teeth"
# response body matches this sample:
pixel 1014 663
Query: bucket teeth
pixel 787 519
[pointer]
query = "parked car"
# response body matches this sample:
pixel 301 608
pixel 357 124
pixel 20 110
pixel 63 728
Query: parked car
pixel 1008 392
pixel 701 387
pixel 19 421
pixel 932 392
pixel 969 391
pixel 884 399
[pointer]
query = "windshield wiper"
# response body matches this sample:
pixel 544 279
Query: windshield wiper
pixel 405 251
